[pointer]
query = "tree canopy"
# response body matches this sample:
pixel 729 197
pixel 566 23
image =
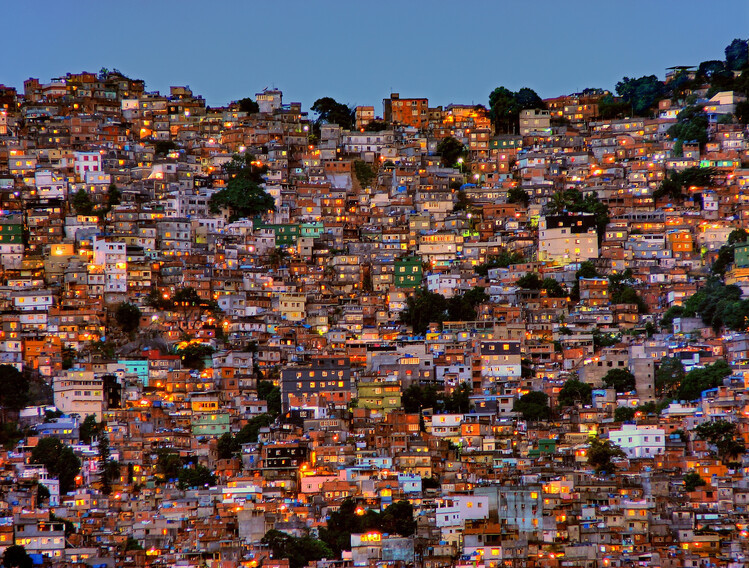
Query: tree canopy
pixel 698 380
pixel 15 556
pixel 451 149
pixel 82 202
pixel 691 126
pixel 127 316
pixel 330 111
pixel 736 55
pixel 719 305
pixel 14 394
pixel 300 551
pixel 243 194
pixel 600 454
pixel 198 476
pixel 641 93
pixel 505 106
pixel 575 392
pixel 572 201
pixel 620 379
pixel 669 376
pixel 397 518
pixel 60 461
pixel 248 105
pixel 724 436
pixel 518 195
pixel 533 406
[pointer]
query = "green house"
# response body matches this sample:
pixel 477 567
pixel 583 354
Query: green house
pixel 286 234
pixel 408 272
pixel 313 230
pixel 741 255
pixel 211 424
pixel 11 233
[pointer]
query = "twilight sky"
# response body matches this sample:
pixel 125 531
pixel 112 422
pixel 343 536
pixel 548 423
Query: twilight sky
pixel 358 51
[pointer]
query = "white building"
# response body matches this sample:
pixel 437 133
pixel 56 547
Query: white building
pixel 567 238
pixel 79 392
pixel 110 260
pixel 445 284
pixel 50 184
pixel 86 162
pixel 639 441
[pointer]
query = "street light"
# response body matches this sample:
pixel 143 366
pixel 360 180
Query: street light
pixel 460 164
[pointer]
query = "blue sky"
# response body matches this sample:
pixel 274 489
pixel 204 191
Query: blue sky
pixel 357 52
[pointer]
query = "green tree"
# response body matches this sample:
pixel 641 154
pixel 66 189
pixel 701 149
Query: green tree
pixel 89 429
pixel 553 288
pixel 622 292
pixel 459 400
pixel 710 68
pixel 451 149
pixel 299 551
pixel 344 522
pixel 227 446
pixel 736 55
pixel 114 195
pixel 699 380
pixel 691 126
pixel 573 201
pixel 194 355
pixel 15 556
pixel 692 481
pixel 108 473
pixel 669 376
pixel 132 544
pixel 248 105
pixel 527 98
pixel 60 461
pixel 462 201
pixel 198 476
pixel 671 313
pixel 463 307
pixel 417 397
pixel 621 379
pixel 724 436
pixel 271 394
pixel 423 308
pixel 128 316
pixel 243 198
pixel 600 454
pixel 624 414
pixel 518 195
pixel 243 195
pixel 533 406
pixel 15 392
pixel 376 126
pixel 330 111
pixel 398 518
pixel 531 281
pixel 503 260
pixel 642 93
pixel 82 203
pixel 504 109
pixel 10 435
pixel 364 173
pixel 575 392
pixel 249 433
pixel 719 306
pixel 163 147
pixel 610 107
pixel 742 111
pixel 168 464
